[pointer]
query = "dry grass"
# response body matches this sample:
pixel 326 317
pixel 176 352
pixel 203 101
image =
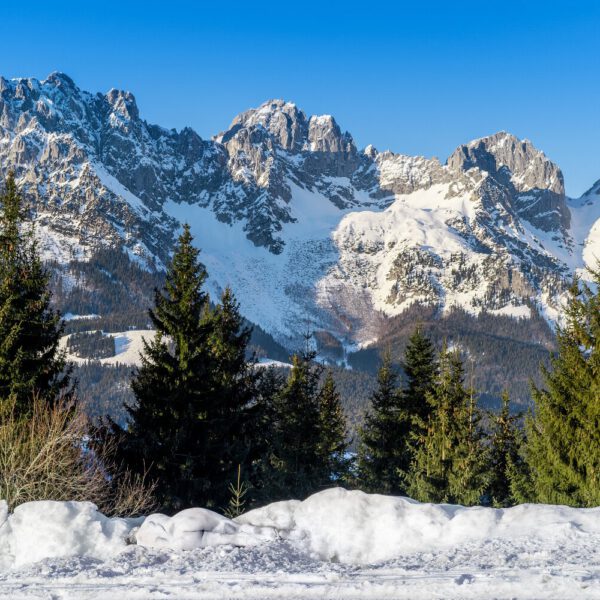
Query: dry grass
pixel 45 457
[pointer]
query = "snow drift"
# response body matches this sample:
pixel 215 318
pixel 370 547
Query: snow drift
pixel 334 525
pixel 198 528
pixel 48 529
pixel 354 527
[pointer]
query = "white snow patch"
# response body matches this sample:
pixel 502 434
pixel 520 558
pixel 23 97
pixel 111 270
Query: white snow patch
pixel 358 528
pixel 47 529
pixel 269 362
pixel 585 229
pixel 198 528
pixel 73 317
pixel 521 311
pixel 115 186
pixel 128 347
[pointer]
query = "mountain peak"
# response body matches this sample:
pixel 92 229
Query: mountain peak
pixel 123 103
pixel 528 168
pixel 325 135
pixel 286 124
pixel 58 78
pixel 536 183
pixel 291 129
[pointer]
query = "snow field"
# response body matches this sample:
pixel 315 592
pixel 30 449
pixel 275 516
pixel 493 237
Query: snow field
pixel 357 528
pixel 128 347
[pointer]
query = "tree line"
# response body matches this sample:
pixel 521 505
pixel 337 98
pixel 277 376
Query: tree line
pixel 208 427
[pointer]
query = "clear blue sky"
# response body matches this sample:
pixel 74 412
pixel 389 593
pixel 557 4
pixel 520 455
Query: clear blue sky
pixel 415 77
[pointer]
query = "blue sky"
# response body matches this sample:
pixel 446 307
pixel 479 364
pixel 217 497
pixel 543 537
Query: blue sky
pixel 415 77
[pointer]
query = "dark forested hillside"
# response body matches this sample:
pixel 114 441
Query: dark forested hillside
pixel 503 352
pixel 103 389
pixel 109 285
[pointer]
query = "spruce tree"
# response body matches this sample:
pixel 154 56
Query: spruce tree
pixel 235 381
pixel 449 462
pixel 563 435
pixel 333 443
pixel 504 454
pixel 469 476
pixel 297 468
pixel 187 427
pixel 265 473
pixel 420 369
pixel 30 330
pixel 383 438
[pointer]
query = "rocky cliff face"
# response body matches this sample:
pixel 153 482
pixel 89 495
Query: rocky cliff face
pixel 535 185
pixel 292 215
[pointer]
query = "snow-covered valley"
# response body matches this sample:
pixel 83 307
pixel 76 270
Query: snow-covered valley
pixel 335 544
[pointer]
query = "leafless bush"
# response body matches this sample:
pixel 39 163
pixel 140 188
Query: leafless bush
pixel 45 456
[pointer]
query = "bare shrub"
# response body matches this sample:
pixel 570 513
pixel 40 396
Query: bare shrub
pixel 46 456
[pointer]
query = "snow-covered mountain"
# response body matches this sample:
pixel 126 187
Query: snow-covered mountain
pixel 303 225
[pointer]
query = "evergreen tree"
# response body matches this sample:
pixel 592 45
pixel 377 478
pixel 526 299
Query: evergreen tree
pixel 469 476
pixel 264 475
pixel 420 369
pixel 333 443
pixel 563 435
pixel 297 468
pixel 504 455
pixel 449 462
pixel 186 429
pixel 235 380
pixel 30 360
pixel 383 438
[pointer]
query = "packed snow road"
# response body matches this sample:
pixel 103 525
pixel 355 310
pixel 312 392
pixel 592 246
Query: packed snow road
pixel 336 544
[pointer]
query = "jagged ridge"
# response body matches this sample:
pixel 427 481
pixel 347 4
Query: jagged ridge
pixel 289 212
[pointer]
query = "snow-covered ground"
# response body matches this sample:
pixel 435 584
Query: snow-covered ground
pixel 335 544
pixel 128 346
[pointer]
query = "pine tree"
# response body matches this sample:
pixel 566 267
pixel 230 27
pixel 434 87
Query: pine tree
pixel 383 438
pixel 504 455
pixel 563 435
pixel 449 462
pixel 187 428
pixel 333 443
pixel 264 474
pixel 31 363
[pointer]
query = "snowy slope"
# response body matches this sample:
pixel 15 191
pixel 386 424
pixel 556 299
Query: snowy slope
pixel 335 544
pixel 585 229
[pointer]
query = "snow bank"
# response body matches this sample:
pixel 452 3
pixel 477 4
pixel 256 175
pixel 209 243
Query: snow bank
pixel 48 529
pixel 334 525
pixel 40 530
pixel 354 527
pixel 198 528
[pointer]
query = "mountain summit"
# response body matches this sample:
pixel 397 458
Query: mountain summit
pixel 293 216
